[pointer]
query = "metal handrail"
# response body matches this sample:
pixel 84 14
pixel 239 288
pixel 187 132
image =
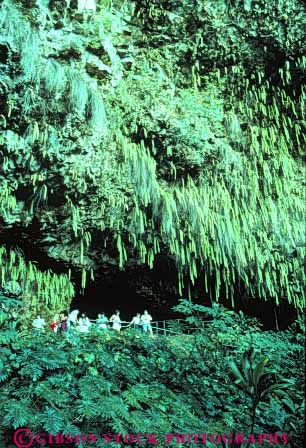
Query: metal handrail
pixel 157 328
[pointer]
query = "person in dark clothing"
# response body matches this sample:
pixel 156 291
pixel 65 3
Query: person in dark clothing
pixel 63 326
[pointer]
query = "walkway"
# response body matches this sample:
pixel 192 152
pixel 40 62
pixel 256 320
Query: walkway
pixel 171 327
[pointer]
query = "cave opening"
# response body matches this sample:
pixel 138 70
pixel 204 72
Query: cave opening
pixel 106 295
pixel 133 295
pixel 133 290
pixel 138 288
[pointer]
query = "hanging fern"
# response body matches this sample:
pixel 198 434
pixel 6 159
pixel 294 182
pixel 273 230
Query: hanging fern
pixel 38 289
pixel 119 139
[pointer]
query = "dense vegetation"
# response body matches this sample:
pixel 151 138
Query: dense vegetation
pixel 207 382
pixel 145 132
pixel 140 128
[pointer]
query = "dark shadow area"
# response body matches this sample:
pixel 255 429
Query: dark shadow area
pixel 27 240
pixel 108 294
pixel 138 288
pixel 131 291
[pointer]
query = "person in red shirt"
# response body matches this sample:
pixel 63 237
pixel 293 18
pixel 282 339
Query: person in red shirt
pixel 54 324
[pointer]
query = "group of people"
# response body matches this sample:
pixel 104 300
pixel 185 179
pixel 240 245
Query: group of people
pixel 65 322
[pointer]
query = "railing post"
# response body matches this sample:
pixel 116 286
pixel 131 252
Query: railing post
pixel 164 327
pixel 157 327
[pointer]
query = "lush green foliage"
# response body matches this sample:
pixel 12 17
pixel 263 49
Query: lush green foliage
pixel 101 383
pixel 136 129
pixel 171 127
pixel 38 287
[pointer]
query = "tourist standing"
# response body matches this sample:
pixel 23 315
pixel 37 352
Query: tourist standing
pixel 55 324
pixel 146 320
pixel 136 322
pixel 115 319
pixel 63 327
pixel 72 319
pixel 84 323
pixel 38 324
pixel 102 322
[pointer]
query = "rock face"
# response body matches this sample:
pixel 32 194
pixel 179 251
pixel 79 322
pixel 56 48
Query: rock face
pixel 152 131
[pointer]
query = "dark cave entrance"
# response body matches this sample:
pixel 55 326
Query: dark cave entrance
pixel 107 295
pixel 138 288
pixel 131 291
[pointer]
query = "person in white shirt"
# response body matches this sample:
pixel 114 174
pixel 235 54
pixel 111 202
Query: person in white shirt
pixel 136 322
pixel 38 324
pixel 115 319
pixel 73 316
pixel 146 320
pixel 84 323
pixel 72 319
